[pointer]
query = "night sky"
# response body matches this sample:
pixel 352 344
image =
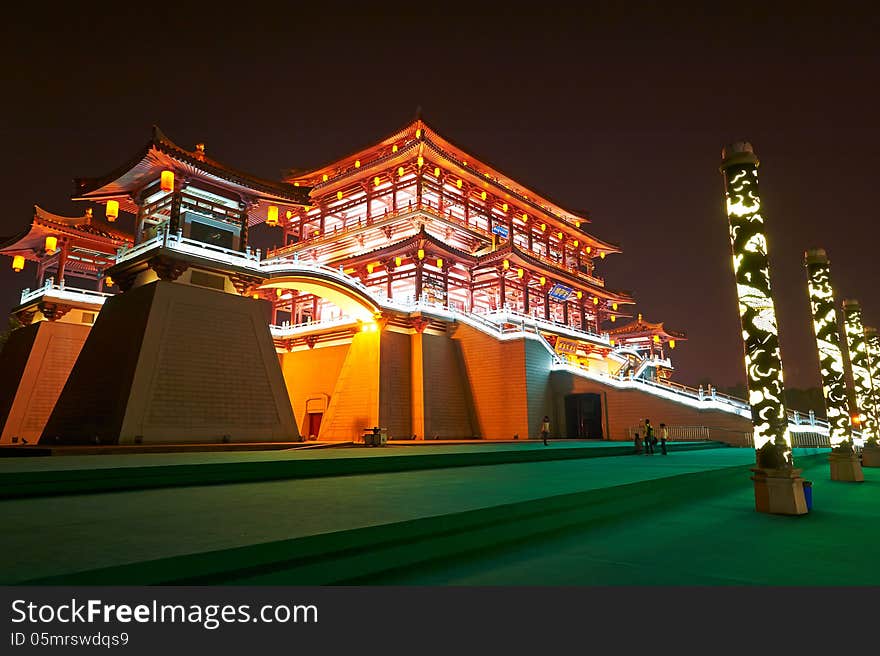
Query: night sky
pixel 621 113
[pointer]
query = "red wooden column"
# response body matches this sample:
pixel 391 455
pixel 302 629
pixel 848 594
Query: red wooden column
pixel 546 301
pixel 419 266
pixel 368 192
pixel 525 280
pixel 470 295
pixel 64 246
pixel 501 288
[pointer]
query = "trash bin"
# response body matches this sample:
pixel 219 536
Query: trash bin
pixel 808 494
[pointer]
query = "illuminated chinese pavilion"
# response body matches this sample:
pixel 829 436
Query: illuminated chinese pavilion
pixel 416 289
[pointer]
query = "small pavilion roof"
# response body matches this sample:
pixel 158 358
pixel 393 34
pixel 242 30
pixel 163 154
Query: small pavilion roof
pixel 642 328
pixel 161 153
pixel 84 233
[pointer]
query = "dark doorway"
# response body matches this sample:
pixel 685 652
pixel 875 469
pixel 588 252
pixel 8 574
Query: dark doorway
pixel 314 425
pixel 583 416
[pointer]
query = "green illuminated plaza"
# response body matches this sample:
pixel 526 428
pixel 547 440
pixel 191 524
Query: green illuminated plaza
pixel 572 513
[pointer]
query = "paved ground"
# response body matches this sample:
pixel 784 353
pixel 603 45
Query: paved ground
pixel 63 534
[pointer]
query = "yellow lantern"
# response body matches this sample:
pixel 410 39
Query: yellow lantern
pixel 504 207
pixel 288 215
pixel 525 218
pixel 458 183
pixel 656 339
pixel 421 253
pixel 166 181
pixel 580 295
pixel 370 268
pixel 418 133
pixel 357 163
pixel 672 343
pixel 613 318
pixel 483 195
pixel 436 171
pixel 602 255
pixel 325 177
pixel 614 306
pixel 520 273
pixel 18 263
pixel 576 243
pixel 272 215
pixel 611 341
pixel 400 171
pixel 338 195
pixel 542 280
pixel 595 300
pixel 559 234
pixel 108 281
pixel 394 148
pixel 112 210
pixel 420 161
pixel 256 297
pixel 506 264
pixel 577 224
pixel 398 261
pixel 376 181
pixel 51 244
pixel 439 262
pixel 589 249
pixel 543 227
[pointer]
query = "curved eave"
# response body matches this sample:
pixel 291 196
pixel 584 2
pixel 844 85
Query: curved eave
pixel 646 329
pixel 160 153
pixel 524 259
pixel 415 241
pixel 343 169
pixel 312 177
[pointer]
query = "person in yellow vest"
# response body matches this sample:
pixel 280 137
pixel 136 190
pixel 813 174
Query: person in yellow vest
pixel 545 429
pixel 664 435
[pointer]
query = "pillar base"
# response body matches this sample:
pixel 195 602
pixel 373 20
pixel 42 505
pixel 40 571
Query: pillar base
pixel 779 491
pixel 871 456
pixel 846 467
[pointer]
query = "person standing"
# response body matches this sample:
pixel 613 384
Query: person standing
pixel 650 439
pixel 545 429
pixel 664 436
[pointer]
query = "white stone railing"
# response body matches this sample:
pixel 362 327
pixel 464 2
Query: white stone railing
pixel 63 293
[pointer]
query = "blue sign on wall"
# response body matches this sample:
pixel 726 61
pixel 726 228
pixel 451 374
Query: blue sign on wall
pixel 501 231
pixel 560 292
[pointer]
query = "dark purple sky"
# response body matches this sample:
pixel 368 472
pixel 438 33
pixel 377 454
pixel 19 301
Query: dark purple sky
pixel 619 112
